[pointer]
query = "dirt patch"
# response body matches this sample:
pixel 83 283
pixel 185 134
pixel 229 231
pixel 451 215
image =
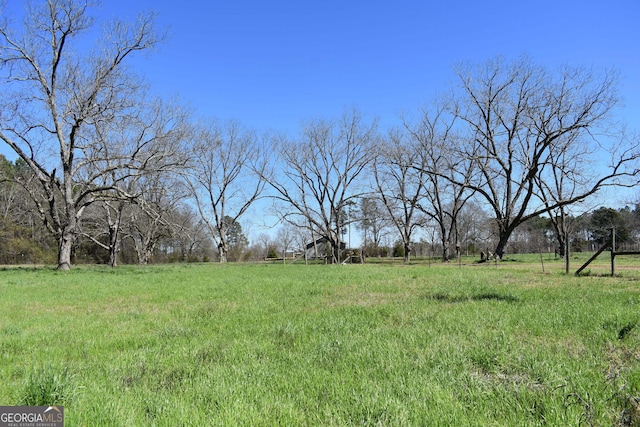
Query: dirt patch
pixel 508 379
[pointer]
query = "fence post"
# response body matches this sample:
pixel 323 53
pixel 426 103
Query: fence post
pixel 613 251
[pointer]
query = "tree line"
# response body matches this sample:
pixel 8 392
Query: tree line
pixel 105 168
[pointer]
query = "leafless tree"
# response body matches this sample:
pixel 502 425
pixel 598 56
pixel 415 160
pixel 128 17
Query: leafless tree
pixel 401 184
pixel 320 174
pixel 446 175
pixel 262 245
pixel 101 224
pixel 372 218
pixel 126 154
pixel 12 192
pixel 56 94
pixel 226 176
pixel 151 219
pixel 474 228
pixel 516 115
pixel 190 235
pixel 286 238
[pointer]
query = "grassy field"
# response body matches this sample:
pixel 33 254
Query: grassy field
pixel 376 345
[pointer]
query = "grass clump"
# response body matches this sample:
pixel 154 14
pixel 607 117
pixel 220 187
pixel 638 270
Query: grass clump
pixel 46 387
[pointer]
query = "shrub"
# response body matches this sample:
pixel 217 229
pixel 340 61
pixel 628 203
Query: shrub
pixel 272 252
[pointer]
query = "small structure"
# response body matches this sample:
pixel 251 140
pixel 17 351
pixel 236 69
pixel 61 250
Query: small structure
pixel 320 241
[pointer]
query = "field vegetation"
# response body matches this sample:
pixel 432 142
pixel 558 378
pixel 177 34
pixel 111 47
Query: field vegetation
pixel 375 344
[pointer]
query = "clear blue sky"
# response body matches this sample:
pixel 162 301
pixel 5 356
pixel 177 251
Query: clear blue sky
pixel 272 64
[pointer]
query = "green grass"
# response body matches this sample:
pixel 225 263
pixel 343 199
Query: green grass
pixel 384 344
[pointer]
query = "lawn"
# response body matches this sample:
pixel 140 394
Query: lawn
pixel 383 344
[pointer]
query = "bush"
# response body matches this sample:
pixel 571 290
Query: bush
pixel 398 250
pixel 272 252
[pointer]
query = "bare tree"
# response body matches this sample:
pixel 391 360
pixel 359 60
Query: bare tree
pixel 320 173
pixel 372 218
pixel 473 231
pixel 190 235
pixel 447 175
pixel 227 175
pixel 9 188
pixel 152 218
pixel 401 184
pixel 286 238
pixel 516 114
pixel 302 235
pixel 266 244
pixel 54 97
pixel 126 154
pixel 101 224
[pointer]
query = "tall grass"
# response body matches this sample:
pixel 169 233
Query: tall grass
pixel 44 387
pixel 322 345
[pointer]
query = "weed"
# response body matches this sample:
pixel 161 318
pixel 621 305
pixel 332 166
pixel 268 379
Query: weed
pixel 583 401
pixel 494 296
pixel 286 336
pixel 46 387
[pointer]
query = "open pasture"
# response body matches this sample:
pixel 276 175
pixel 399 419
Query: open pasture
pixel 374 344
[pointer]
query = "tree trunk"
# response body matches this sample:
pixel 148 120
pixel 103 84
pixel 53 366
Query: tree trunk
pixel 222 252
pixel 315 244
pixel 502 243
pixel 563 237
pixel 566 254
pixel 113 258
pixel 148 253
pixel 114 244
pixel 114 233
pixel 335 256
pixel 144 250
pixel 407 252
pixel 561 244
pixel 65 244
pixel 114 248
pixel 445 250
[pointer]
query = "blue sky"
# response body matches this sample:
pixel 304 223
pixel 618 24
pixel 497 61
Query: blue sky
pixel 273 64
